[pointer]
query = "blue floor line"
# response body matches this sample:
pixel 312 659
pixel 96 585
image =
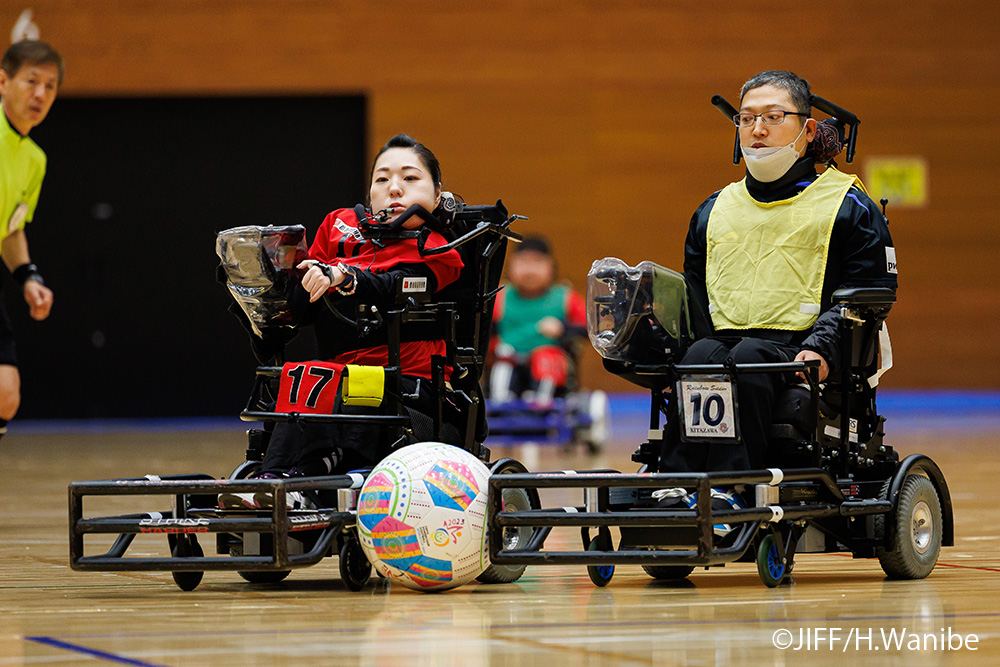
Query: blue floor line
pixel 897 401
pixel 121 660
pixel 104 426
pixel 903 408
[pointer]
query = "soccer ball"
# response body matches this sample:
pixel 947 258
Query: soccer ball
pixel 422 516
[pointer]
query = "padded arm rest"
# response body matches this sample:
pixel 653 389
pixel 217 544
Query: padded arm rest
pixel 865 296
pixel 650 377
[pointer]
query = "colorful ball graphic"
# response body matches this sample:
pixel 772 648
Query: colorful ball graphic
pixel 422 516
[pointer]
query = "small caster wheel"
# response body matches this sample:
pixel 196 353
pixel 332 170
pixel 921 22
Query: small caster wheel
pixel 185 546
pixel 600 574
pixel 355 570
pixel 668 572
pixel 769 566
pixel 264 577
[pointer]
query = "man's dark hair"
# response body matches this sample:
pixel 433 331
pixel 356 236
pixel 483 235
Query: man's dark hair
pixel 424 153
pixel 31 52
pixel 797 87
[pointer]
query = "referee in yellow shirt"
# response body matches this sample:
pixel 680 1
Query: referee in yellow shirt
pixel 30 75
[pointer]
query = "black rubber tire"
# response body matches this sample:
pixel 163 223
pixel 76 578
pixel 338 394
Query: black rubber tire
pixel 918 530
pixel 245 469
pixel 668 572
pixel 769 566
pixel 505 574
pixel 264 576
pixel 601 575
pixel 186 546
pixel 355 570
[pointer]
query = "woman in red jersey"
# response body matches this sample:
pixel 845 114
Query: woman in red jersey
pixel 351 268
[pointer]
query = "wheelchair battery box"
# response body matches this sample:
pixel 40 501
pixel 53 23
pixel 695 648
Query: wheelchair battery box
pixel 796 492
pixel 658 537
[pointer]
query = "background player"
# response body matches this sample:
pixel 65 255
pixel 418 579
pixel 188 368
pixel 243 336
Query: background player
pixel 538 324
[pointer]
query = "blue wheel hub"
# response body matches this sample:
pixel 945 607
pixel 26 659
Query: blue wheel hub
pixel 774 564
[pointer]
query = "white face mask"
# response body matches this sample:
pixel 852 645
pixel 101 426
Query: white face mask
pixel 771 162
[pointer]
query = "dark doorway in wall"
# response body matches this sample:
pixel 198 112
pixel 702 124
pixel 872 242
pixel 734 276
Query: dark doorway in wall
pixel 125 236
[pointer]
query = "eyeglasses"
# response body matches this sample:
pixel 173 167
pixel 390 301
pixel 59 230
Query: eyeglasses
pixel 773 117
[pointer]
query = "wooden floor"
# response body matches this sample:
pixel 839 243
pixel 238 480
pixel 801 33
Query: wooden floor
pixel 552 616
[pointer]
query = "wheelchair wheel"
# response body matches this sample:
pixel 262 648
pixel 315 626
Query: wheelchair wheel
pixel 513 499
pixel 355 570
pixel 769 566
pixel 245 470
pixel 668 572
pixel 918 530
pixel 186 546
pixel 264 576
pixel 601 574
pixel 518 500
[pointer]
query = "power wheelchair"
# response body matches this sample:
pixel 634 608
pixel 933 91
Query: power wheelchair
pixel 832 484
pixel 573 416
pixel 264 545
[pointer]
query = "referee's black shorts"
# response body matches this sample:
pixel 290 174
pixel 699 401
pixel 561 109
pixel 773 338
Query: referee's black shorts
pixel 8 354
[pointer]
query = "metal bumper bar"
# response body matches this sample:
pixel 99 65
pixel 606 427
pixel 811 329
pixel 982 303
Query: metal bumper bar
pixel 194 512
pixel 599 512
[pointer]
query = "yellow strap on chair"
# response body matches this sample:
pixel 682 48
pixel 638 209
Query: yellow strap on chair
pixel 363 385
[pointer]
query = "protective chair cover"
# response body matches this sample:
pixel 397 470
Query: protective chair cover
pixel 259 263
pixel 637 314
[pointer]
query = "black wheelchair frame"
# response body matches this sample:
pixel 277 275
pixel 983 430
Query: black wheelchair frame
pixel 846 473
pixel 263 546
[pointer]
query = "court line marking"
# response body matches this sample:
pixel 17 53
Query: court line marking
pixel 76 648
pixel 29 587
pixel 540 626
pixel 562 646
pixel 940 564
pixel 969 567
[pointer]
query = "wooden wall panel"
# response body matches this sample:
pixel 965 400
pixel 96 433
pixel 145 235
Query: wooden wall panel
pixel 593 117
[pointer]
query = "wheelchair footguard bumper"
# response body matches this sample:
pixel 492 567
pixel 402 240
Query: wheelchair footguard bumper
pixel 695 524
pixel 194 513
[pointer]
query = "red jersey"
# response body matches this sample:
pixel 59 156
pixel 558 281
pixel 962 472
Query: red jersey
pixel 339 240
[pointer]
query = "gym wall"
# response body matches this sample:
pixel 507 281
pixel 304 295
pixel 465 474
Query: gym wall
pixel 594 118
pixel 125 230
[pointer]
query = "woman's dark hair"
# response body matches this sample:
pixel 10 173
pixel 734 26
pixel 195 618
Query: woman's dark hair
pixel 424 153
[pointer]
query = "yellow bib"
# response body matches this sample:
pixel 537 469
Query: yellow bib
pixel 765 262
